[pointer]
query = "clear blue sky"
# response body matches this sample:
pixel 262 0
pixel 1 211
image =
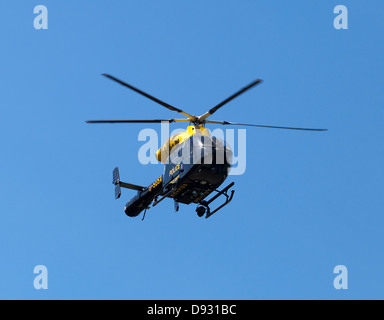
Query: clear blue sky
pixel 308 201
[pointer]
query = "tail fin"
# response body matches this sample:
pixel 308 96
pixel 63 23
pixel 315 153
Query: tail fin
pixel 118 184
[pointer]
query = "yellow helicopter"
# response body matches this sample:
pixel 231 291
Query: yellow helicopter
pixel 202 162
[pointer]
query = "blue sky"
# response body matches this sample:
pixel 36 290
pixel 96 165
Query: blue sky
pixel 308 201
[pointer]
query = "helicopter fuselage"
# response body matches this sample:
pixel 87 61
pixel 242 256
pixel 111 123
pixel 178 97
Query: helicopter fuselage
pixel 195 169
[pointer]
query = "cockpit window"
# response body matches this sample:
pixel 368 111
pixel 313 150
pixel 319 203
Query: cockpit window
pixel 209 141
pixel 202 149
pixel 209 149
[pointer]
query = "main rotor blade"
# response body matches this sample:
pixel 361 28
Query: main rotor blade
pixel 164 104
pixel 137 121
pixel 262 126
pixel 213 110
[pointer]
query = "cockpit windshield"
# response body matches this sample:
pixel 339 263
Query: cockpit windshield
pixel 203 149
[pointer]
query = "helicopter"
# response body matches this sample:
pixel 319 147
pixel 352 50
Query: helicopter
pixel 196 163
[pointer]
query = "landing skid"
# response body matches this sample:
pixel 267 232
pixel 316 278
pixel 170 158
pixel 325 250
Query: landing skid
pixel 204 205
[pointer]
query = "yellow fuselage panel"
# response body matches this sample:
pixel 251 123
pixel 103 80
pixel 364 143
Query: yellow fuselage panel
pixel 163 153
